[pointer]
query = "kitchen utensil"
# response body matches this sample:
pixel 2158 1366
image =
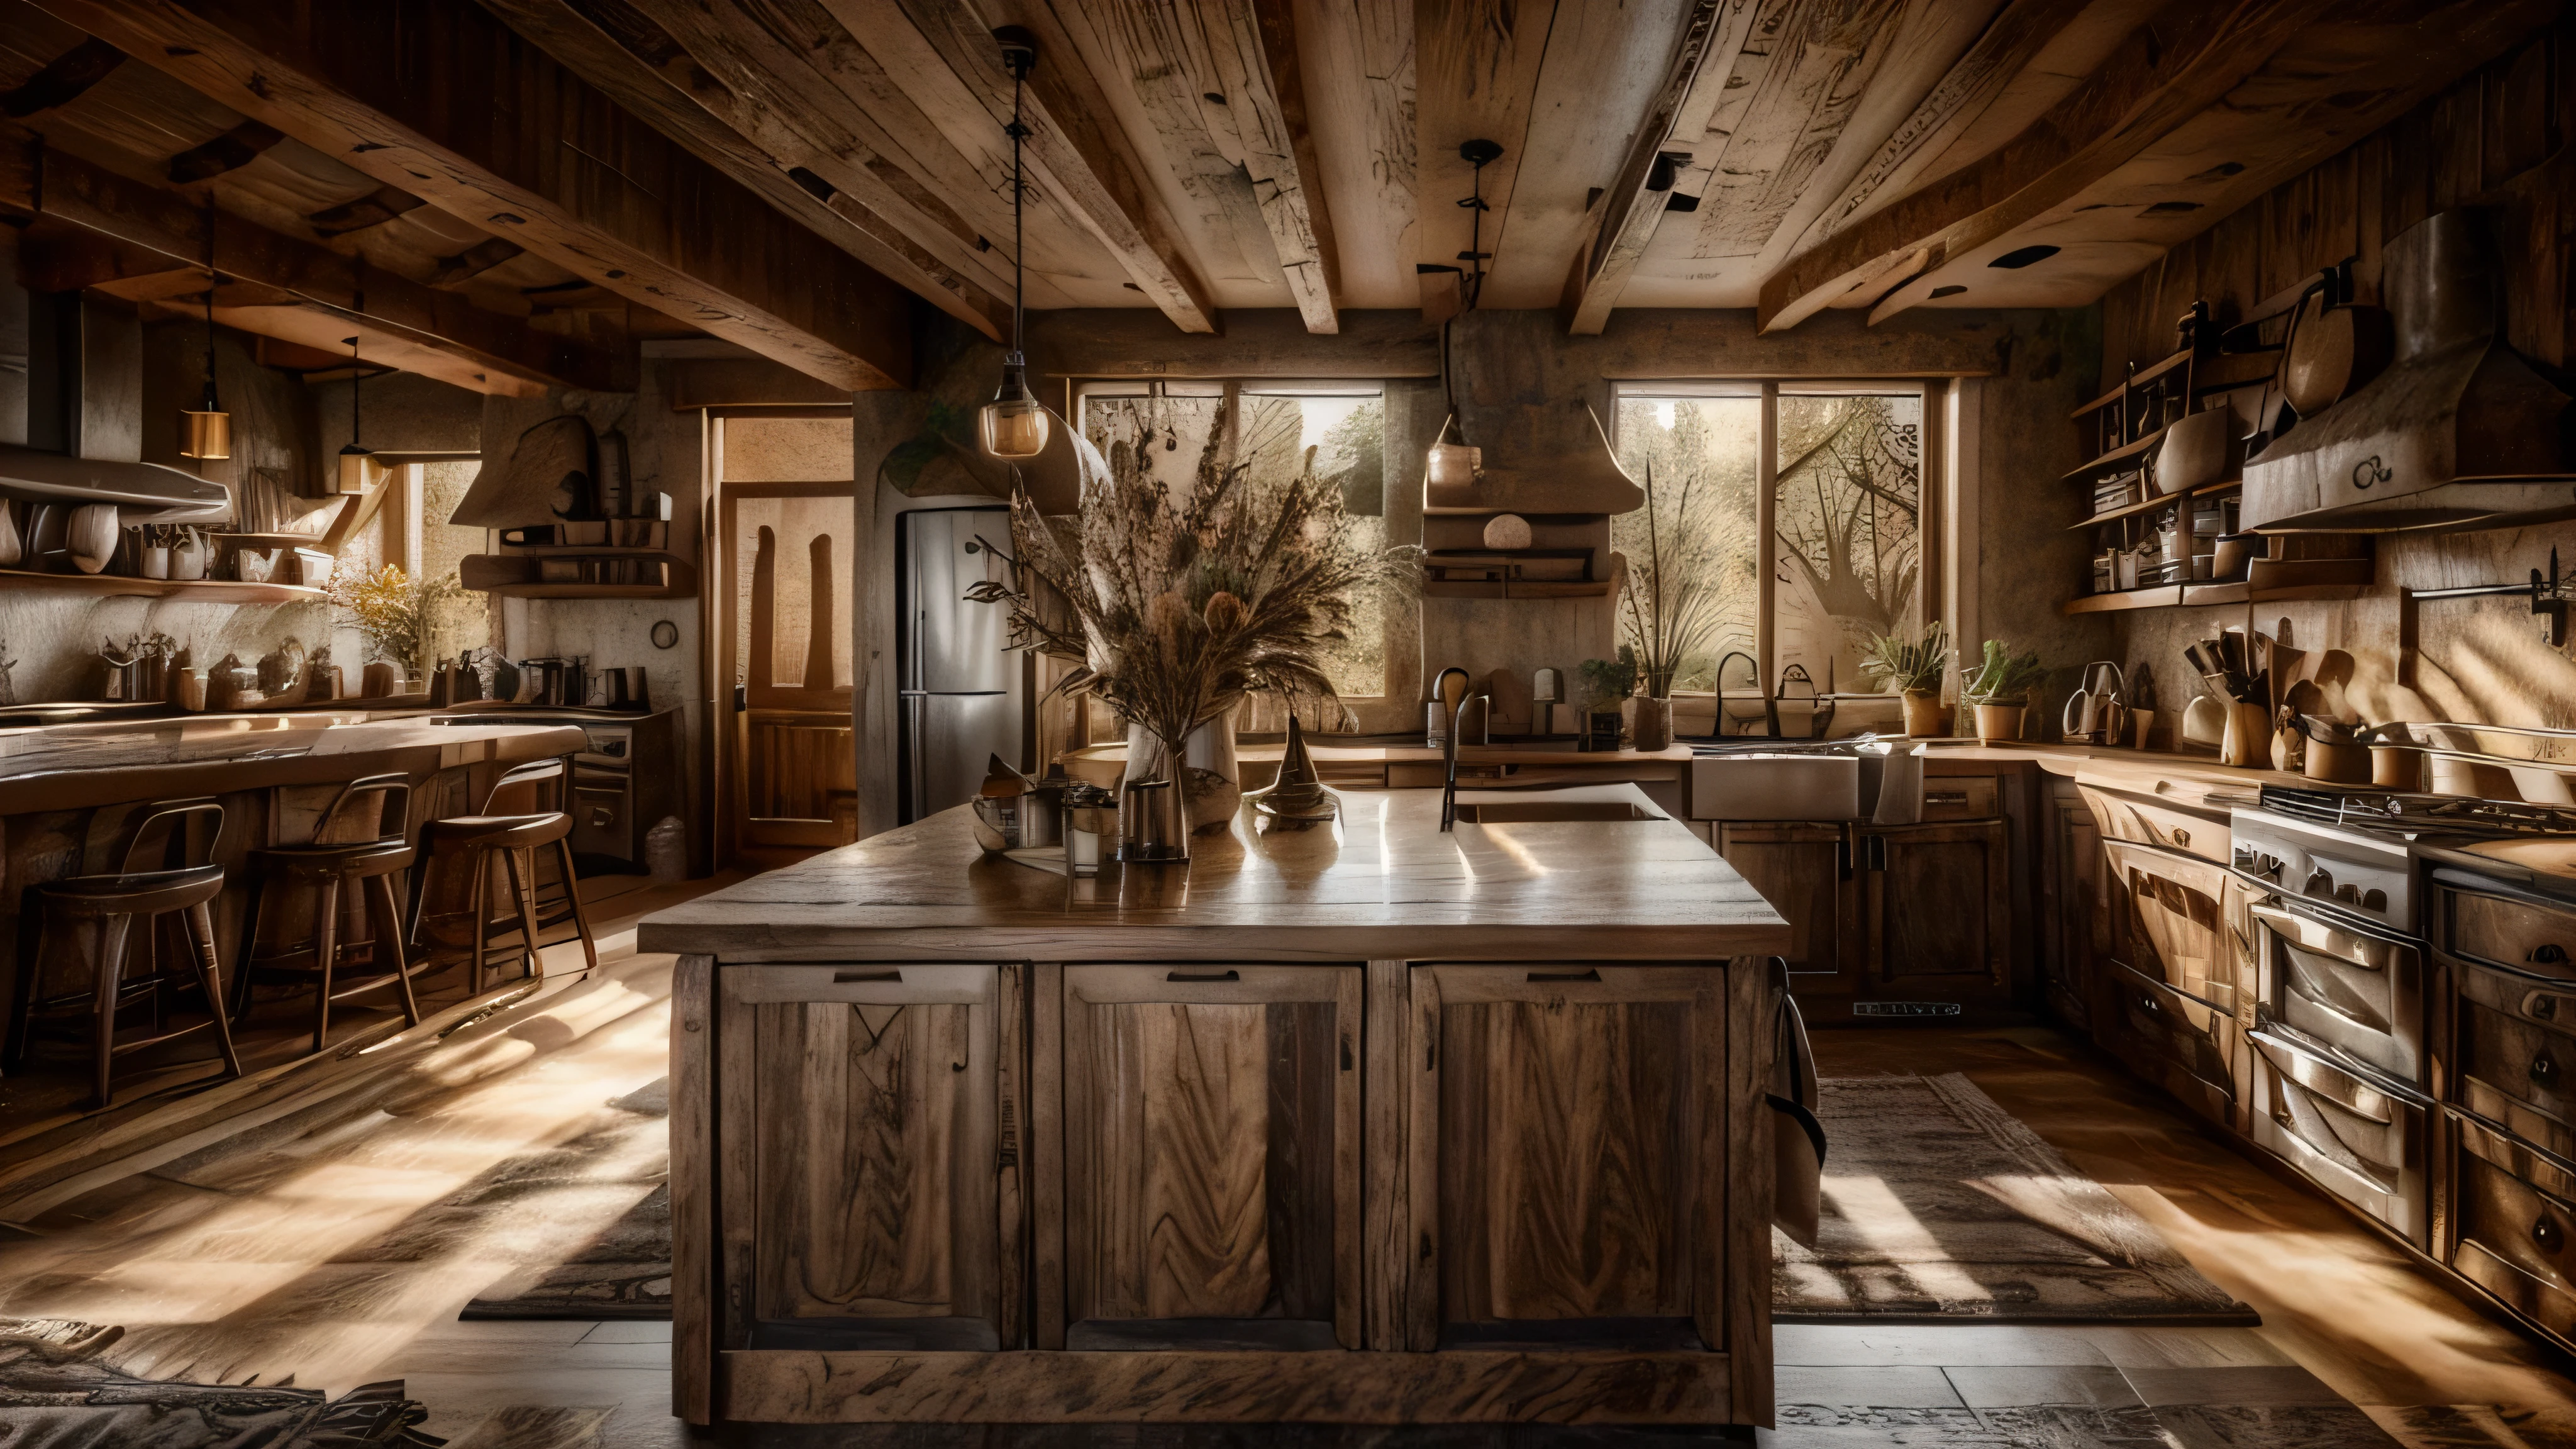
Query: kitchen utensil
pixel 2198 450
pixel 90 536
pixel 2097 713
pixel 188 555
pixel 2289 746
pixel 2247 740
pixel 2144 722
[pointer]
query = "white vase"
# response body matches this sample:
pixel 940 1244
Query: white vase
pixel 1212 776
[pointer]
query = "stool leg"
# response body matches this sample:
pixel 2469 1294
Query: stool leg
pixel 198 924
pixel 31 949
pixel 326 947
pixel 479 899
pixel 243 970
pixel 523 891
pixel 107 966
pixel 580 920
pixel 388 914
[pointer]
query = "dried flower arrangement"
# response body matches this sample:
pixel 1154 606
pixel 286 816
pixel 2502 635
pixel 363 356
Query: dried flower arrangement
pixel 1177 608
pixel 398 615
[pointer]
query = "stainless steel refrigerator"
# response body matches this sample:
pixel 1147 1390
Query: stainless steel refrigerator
pixel 960 684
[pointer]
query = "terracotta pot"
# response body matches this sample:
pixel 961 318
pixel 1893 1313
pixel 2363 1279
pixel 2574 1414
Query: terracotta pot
pixel 1653 727
pixel 1924 716
pixel 1999 723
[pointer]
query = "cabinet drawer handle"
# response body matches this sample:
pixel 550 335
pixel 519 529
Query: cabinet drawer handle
pixel 1202 976
pixel 2544 1070
pixel 2548 1235
pixel 1565 976
pixel 1945 797
pixel 851 978
pixel 2182 837
pixel 2549 954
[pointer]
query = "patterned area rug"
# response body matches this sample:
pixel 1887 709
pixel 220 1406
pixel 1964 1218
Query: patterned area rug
pixel 624 1272
pixel 56 1393
pixel 1940 1206
pixel 2066 1426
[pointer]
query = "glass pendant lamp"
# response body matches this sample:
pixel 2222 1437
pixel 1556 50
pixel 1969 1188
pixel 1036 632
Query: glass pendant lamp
pixel 206 431
pixel 1014 425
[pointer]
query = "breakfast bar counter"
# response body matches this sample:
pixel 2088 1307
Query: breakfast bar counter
pixel 1368 1123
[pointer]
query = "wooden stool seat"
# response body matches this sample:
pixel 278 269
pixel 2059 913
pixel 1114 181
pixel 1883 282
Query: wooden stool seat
pixel 103 909
pixel 468 843
pixel 329 867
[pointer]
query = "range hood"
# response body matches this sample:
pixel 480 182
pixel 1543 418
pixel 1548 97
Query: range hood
pixel 2459 432
pixel 85 419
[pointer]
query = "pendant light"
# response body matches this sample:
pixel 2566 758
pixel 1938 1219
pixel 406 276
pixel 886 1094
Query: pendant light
pixel 359 470
pixel 207 431
pixel 1014 424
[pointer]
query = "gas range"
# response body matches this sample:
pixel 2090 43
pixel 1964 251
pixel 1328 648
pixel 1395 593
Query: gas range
pixel 2357 849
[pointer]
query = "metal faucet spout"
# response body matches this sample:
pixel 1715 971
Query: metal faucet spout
pixel 1449 758
pixel 1770 701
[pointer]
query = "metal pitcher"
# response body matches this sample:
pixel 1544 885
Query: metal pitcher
pixel 2096 714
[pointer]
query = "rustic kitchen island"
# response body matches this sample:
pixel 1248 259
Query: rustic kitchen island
pixel 1364 1124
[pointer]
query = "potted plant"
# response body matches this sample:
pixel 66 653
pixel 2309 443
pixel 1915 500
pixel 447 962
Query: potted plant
pixel 1913 668
pixel 2000 689
pixel 399 617
pixel 1667 608
pixel 1607 683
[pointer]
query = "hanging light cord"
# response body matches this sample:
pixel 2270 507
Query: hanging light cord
pixel 1019 226
pixel 211 280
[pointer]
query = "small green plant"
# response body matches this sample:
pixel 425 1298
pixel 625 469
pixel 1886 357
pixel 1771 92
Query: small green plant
pixel 1895 662
pixel 1608 681
pixel 2003 677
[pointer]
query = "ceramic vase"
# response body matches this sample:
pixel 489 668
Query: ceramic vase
pixel 1653 727
pixel 1924 717
pixel 1211 775
pixel 1998 723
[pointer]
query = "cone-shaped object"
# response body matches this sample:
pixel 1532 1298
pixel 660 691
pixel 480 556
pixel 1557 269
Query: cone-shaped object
pixel 1298 798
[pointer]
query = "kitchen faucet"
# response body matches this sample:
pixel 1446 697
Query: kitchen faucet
pixel 1449 757
pixel 1770 702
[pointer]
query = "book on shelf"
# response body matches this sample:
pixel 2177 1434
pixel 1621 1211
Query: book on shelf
pixel 625 571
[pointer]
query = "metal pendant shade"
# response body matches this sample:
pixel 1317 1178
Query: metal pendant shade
pixel 358 469
pixel 1014 425
pixel 206 431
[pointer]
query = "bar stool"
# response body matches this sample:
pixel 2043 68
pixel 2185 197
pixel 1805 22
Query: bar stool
pixel 468 843
pixel 353 857
pixel 105 908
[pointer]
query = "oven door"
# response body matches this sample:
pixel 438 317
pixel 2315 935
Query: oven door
pixel 2356 1136
pixel 2339 984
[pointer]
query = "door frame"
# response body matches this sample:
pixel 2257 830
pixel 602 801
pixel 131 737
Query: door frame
pixel 732 740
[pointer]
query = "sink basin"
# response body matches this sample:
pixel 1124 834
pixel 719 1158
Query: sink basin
pixel 1501 812
pixel 1775 787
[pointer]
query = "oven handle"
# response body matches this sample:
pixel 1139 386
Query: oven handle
pixel 2371 1079
pixel 2487 885
pixel 2266 913
pixel 2310 909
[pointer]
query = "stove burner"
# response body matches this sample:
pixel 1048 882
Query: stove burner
pixel 2397 812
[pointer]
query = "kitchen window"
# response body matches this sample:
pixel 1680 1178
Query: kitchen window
pixel 1801 503
pixel 1163 427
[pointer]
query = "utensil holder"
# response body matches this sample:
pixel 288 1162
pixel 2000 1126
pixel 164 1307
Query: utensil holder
pixel 2248 741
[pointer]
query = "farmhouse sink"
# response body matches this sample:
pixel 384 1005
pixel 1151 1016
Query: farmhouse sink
pixel 1775 787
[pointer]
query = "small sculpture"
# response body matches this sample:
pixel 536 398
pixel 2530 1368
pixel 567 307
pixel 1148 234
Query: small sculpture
pixel 1298 799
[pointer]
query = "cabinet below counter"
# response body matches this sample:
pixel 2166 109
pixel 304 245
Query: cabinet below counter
pixel 1366 1124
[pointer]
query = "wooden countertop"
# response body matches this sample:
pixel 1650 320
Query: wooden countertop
pixel 2188 779
pixel 1384 883
pixel 69 766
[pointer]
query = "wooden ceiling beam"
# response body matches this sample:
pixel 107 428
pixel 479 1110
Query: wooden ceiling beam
pixel 63 80
pixel 1254 46
pixel 474 261
pixel 1476 66
pixel 1074 144
pixel 1632 205
pixel 227 153
pixel 441 99
pixel 636 60
pixel 2167 70
pixel 373 209
pixel 75 193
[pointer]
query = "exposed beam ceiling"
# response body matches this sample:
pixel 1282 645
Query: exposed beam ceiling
pixel 737 98
pixel 439 99
pixel 1078 153
pixel 502 353
pixel 1258 72
pixel 64 81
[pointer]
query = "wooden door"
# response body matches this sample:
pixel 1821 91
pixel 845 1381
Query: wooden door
pixel 1560 1184
pixel 1805 872
pixel 793 786
pixel 1938 906
pixel 868 1106
pixel 2078 916
pixel 1210 1182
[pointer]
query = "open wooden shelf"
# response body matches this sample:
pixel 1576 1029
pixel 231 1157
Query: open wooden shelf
pixel 2206 594
pixel 680 575
pixel 210 591
pixel 2161 500
pixel 2120 454
pixel 2149 373
pixel 1442 589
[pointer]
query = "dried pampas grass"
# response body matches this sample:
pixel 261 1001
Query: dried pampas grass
pixel 1179 607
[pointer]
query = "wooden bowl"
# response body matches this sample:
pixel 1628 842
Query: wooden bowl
pixel 2200 449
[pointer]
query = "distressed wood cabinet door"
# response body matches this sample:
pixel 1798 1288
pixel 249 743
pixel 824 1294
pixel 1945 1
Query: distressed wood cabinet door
pixel 1805 871
pixel 1210 1183
pixel 1562 1187
pixel 880 1203
pixel 1938 900
pixel 2079 918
